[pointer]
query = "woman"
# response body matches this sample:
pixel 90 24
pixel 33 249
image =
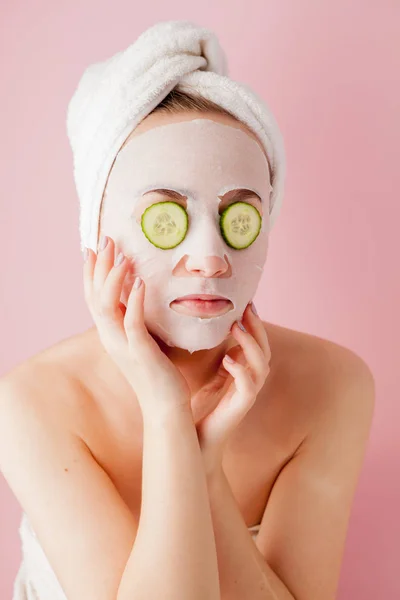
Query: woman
pixel 140 454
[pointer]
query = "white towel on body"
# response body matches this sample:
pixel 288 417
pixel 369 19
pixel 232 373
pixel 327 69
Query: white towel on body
pixel 35 579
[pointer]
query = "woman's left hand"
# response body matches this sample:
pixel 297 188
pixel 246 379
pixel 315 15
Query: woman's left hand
pixel 235 387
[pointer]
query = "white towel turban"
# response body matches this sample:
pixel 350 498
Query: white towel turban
pixel 113 96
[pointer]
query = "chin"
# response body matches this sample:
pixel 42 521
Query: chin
pixel 194 338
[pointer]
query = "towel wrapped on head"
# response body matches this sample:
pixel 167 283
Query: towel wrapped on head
pixel 114 96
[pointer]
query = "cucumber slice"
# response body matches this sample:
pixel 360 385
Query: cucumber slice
pixel 240 224
pixel 165 224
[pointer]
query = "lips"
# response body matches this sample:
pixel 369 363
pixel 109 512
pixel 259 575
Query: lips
pixel 205 305
pixel 201 297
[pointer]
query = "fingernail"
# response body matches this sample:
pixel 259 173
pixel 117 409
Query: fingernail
pixel 228 358
pixel 137 283
pixel 103 242
pixel 242 327
pixel 119 259
pixel 253 308
pixel 85 254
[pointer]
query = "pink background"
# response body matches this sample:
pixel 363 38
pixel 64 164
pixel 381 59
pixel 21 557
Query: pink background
pixel 330 72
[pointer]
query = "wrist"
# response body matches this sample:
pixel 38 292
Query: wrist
pixel 212 464
pixel 215 477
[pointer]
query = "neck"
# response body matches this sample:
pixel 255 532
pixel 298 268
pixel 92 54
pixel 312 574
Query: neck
pixel 197 368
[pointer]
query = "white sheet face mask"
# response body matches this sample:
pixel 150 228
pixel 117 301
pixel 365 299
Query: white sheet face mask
pixel 203 160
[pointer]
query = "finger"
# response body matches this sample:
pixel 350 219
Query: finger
pixel 134 324
pixel 109 305
pixel 236 353
pixel 243 381
pixel 112 287
pixel 256 327
pixel 252 351
pixel 104 309
pixel 104 263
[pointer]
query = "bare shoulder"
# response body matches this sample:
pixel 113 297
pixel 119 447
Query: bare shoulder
pixel 305 354
pixel 46 382
pixel 312 374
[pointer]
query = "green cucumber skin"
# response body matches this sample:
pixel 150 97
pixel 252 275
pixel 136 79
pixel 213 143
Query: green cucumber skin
pixel 224 216
pixel 160 204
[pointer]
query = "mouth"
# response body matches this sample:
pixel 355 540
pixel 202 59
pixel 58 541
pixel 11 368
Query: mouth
pixel 201 305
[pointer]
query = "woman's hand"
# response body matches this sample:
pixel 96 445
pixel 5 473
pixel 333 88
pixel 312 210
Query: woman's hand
pixel 158 384
pixel 234 387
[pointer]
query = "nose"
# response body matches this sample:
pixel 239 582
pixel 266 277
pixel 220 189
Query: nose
pixel 205 252
pixel 207 266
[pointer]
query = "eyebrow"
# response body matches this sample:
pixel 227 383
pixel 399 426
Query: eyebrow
pixel 239 194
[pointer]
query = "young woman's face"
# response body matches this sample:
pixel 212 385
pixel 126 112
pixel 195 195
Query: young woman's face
pixel 206 163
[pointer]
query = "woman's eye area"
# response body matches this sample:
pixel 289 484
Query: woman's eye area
pixel 165 224
pixel 240 224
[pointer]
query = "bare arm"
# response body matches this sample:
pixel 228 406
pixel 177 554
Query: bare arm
pixel 76 511
pixel 174 556
pixel 303 531
pixel 83 525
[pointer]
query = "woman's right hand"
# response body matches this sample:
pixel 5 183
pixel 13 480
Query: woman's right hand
pixel 158 384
